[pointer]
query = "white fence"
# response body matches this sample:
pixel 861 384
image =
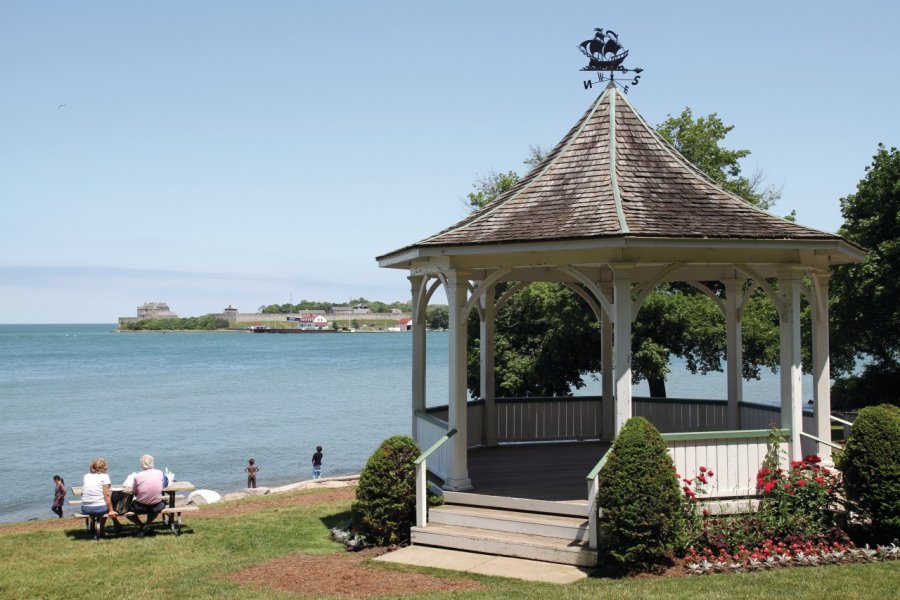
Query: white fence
pixel 733 456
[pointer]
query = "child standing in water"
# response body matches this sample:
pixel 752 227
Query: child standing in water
pixel 251 470
pixel 59 495
pixel 317 463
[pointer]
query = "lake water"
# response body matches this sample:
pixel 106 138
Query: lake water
pixel 203 403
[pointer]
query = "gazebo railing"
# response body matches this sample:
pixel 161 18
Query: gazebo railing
pixel 430 430
pixel 548 419
pixel 734 456
pixel 580 418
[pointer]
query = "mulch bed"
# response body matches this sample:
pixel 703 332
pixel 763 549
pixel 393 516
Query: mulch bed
pixel 343 575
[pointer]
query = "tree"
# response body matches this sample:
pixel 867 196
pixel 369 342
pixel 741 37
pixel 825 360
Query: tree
pixel 539 345
pixel 865 297
pixel 488 187
pixel 698 141
pixel 437 316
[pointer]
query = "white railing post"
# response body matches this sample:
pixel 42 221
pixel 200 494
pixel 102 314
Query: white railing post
pixel 593 488
pixel 593 482
pixel 421 495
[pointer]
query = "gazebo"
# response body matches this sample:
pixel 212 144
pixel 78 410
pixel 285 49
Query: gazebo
pixel 611 212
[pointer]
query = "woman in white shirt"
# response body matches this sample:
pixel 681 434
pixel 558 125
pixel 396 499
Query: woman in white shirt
pixel 95 497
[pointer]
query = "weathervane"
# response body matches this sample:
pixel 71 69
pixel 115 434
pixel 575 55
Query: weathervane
pixel 606 54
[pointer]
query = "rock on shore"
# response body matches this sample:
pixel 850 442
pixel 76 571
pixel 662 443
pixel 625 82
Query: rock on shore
pixel 201 497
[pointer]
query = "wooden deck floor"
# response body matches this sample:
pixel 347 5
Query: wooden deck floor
pixel 539 471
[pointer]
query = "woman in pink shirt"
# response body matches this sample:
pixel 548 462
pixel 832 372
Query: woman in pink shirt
pixel 147 491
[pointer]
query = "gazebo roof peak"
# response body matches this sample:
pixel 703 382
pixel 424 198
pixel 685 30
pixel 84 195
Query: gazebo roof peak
pixel 614 176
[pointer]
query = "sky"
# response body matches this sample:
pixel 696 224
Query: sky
pixel 248 153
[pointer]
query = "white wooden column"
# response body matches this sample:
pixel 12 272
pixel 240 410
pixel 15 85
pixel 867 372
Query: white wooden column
pixel 457 470
pixel 734 349
pixel 791 390
pixel 622 342
pixel 418 350
pixel 486 333
pixel 821 364
pixel 608 407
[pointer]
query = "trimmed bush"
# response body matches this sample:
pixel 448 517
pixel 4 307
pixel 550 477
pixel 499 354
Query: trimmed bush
pixel 871 467
pixel 640 498
pixel 385 506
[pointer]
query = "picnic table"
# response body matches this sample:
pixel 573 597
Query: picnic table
pixel 171 514
pixel 171 489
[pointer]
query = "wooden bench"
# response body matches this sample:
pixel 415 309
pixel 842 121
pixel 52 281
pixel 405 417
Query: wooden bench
pixel 92 522
pixel 172 515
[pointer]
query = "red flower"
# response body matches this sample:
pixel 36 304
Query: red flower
pixel 770 485
pixel 710 473
pixel 703 469
pixel 801 482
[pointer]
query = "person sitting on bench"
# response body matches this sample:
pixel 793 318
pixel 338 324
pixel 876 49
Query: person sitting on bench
pixel 95 499
pixel 147 490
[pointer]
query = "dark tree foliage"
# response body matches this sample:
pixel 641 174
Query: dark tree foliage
pixel 437 316
pixel 677 321
pixel 871 468
pixel 205 323
pixel 865 297
pixel 547 339
pixel 640 498
pixel 385 506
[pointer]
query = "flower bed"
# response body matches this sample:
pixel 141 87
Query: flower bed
pixel 773 555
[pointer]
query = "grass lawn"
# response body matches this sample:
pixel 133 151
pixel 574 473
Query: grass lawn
pixel 57 562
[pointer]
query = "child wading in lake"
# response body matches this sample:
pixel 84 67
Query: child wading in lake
pixel 59 495
pixel 317 463
pixel 252 470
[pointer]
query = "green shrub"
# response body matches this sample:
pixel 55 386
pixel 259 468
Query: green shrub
pixel 640 498
pixel 385 506
pixel 871 467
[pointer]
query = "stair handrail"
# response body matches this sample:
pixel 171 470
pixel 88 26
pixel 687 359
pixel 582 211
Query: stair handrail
pixel 821 441
pixel 840 420
pixel 593 484
pixel 422 478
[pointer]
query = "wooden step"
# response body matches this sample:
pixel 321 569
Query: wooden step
pixel 577 508
pixel 553 526
pixel 505 543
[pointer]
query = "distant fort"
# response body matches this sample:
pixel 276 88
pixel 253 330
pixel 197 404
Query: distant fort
pixel 339 313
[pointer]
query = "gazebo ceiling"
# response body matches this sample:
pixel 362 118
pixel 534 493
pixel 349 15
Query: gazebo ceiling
pixel 614 191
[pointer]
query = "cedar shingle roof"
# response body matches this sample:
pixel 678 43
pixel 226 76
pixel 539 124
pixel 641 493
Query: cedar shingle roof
pixel 613 176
